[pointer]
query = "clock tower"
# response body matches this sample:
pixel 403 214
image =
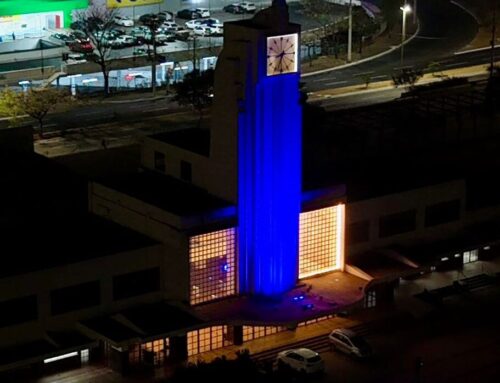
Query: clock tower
pixel 256 145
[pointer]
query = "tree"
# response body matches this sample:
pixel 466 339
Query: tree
pixel 390 10
pixel 96 23
pixel 407 76
pixel 324 13
pixel 36 103
pixel 10 105
pixel 196 90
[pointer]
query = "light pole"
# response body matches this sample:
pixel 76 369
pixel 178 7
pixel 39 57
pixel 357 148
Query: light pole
pixel 406 9
pixel 349 34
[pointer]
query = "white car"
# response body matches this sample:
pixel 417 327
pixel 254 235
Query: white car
pixel 202 30
pixel 191 24
pixel 302 360
pixel 203 12
pixel 247 7
pixel 170 26
pixel 349 342
pixel 123 21
pixel 125 41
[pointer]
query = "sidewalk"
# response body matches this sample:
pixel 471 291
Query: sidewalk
pixel 388 84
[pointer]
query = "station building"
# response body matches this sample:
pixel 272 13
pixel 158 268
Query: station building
pixel 220 237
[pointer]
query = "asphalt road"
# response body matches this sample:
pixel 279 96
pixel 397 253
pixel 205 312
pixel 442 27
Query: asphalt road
pixel 443 30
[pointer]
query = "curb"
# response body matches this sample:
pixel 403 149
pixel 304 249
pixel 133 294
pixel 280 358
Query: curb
pixel 157 98
pixel 365 59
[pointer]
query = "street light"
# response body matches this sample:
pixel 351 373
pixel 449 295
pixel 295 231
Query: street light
pixel 406 9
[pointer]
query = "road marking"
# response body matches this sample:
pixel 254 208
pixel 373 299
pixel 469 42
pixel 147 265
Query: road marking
pixel 362 74
pixel 335 82
pixel 381 76
pixel 322 79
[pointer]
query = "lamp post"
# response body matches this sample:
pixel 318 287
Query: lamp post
pixel 349 34
pixel 406 9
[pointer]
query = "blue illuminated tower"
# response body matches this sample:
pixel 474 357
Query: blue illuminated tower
pixel 257 143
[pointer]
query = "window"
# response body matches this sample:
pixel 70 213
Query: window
pixel 255 332
pixel 160 161
pixel 212 265
pixel 208 339
pixel 19 310
pixel 470 256
pixel 75 297
pixel 398 223
pixel 136 283
pixel 443 212
pixel 358 232
pixel 321 243
pixel 186 171
pixel 371 299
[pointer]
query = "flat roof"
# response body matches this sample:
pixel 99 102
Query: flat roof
pixel 73 239
pixel 110 329
pixel 160 318
pixel 196 140
pixel 165 192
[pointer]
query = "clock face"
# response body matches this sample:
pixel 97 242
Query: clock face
pixel 282 54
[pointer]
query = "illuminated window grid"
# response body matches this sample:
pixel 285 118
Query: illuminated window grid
pixel 160 348
pixel 321 240
pixel 207 339
pixel 212 264
pixel 255 332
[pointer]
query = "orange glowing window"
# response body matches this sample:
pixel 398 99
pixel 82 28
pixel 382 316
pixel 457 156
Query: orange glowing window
pixel 321 241
pixel 208 339
pixel 212 265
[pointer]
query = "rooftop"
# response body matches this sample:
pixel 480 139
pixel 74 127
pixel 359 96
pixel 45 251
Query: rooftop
pixel 165 192
pixel 196 140
pixel 74 239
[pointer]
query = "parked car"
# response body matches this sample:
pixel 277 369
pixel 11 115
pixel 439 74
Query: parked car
pixel 183 34
pixel 63 38
pixel 191 24
pixel 124 21
pixel 212 22
pixel 188 14
pixel 349 342
pixel 165 16
pixel 148 18
pixel 139 31
pixel 80 36
pixel 81 47
pixel 125 41
pixel 75 58
pixel 170 26
pixel 248 7
pixel 202 30
pixel 203 12
pixel 233 8
pixel 301 360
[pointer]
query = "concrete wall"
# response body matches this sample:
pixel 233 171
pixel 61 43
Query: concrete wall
pixel 41 283
pixel 153 222
pixel 372 209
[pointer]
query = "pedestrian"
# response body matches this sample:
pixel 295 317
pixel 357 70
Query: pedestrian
pixel 13 36
pixel 104 144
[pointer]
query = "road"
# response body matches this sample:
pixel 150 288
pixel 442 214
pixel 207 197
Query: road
pixel 443 31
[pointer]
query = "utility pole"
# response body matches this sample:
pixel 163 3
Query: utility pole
pixel 349 34
pixel 493 38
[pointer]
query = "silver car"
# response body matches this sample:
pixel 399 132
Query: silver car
pixel 349 342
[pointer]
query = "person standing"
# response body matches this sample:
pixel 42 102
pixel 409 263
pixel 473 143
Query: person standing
pixel 13 36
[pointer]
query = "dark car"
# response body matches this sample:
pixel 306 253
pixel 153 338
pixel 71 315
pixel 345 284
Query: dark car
pixel 66 39
pixel 148 18
pixel 188 14
pixel 233 8
pixel 165 16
